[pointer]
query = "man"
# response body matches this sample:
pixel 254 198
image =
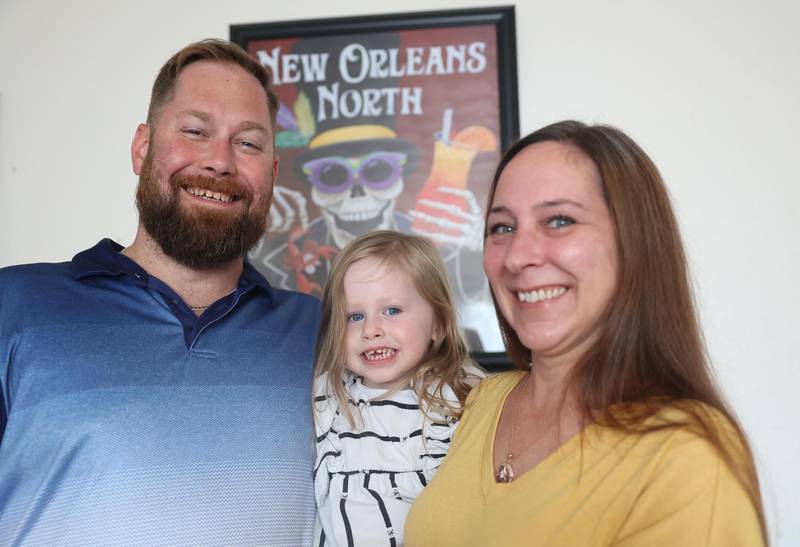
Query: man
pixel 158 394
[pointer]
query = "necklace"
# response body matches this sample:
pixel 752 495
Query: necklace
pixel 124 251
pixel 505 471
pixel 204 308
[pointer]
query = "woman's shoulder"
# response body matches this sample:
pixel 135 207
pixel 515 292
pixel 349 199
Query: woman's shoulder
pixel 694 419
pixel 684 443
pixel 690 432
pixel 683 475
pixel 500 381
pixel 494 387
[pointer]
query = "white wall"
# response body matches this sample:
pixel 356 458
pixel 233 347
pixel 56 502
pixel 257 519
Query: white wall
pixel 710 88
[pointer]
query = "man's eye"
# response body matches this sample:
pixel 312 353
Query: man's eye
pixel 193 131
pixel 392 310
pixel 560 221
pixel 251 144
pixel 499 228
pixel 353 317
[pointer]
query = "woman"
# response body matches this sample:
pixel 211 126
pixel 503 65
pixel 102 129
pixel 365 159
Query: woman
pixel 616 433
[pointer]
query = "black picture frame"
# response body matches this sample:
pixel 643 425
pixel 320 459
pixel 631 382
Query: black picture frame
pixel 422 29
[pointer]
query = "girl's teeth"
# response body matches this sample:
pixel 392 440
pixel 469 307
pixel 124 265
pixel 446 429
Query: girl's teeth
pixel 541 294
pixel 376 354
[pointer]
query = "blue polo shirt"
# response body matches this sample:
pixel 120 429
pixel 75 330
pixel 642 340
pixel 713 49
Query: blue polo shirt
pixel 129 420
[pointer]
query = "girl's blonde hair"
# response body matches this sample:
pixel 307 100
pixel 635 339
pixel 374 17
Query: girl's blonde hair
pixel 444 362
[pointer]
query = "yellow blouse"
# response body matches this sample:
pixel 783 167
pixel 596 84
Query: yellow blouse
pixel 600 488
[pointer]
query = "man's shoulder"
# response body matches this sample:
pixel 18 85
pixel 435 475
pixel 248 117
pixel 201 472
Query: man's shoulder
pixel 25 288
pixel 22 276
pixel 47 273
pixel 286 296
pixel 292 311
pixel 297 301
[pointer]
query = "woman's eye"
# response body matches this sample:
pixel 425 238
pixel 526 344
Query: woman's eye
pixel 392 310
pixel 353 317
pixel 560 221
pixel 500 228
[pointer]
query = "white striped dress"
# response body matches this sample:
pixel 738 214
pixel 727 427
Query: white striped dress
pixel 366 478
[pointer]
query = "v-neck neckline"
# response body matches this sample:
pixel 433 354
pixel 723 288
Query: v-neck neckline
pixel 492 489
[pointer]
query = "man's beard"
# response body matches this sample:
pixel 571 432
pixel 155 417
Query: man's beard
pixel 200 238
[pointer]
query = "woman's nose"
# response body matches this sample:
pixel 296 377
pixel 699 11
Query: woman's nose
pixel 526 248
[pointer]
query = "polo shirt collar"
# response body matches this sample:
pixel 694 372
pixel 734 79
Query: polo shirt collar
pixel 104 260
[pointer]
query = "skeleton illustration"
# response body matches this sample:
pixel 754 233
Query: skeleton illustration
pixel 355 175
pixel 356 195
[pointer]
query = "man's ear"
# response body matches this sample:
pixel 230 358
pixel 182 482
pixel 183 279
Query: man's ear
pixel 139 147
pixel 275 164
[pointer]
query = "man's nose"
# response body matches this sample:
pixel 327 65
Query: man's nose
pixel 219 159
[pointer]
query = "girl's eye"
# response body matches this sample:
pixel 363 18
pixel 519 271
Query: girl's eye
pixel 353 317
pixel 560 221
pixel 392 310
pixel 500 228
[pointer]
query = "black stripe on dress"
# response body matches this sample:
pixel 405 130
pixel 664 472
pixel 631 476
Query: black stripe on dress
pixel 384 402
pixel 363 434
pixel 323 435
pixel 395 490
pixel 385 514
pixel 447 440
pixel 422 478
pixel 370 471
pixel 322 459
pixel 321 538
pixel 342 510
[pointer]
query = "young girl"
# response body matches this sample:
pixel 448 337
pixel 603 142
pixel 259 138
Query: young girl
pixel 392 373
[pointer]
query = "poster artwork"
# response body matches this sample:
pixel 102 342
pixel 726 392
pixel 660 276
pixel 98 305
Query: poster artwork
pixel 387 130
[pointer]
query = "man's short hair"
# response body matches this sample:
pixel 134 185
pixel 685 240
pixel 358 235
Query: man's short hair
pixel 216 50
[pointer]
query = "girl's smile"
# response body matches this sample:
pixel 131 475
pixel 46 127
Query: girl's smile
pixel 389 325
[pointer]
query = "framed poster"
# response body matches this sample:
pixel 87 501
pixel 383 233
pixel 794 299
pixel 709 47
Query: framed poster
pixel 389 122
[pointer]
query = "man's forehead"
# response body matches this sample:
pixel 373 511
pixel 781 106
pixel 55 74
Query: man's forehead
pixel 224 85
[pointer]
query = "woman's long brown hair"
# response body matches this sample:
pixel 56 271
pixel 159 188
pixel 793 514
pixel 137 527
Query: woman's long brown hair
pixel 650 353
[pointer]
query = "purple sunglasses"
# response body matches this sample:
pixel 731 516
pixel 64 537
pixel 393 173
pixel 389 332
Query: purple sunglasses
pixel 335 174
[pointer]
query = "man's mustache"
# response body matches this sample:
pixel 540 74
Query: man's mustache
pixel 222 185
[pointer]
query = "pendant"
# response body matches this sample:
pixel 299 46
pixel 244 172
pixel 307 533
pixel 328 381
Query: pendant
pixel 505 473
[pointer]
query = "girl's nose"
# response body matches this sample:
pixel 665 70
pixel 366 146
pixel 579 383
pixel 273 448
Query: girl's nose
pixel 372 329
